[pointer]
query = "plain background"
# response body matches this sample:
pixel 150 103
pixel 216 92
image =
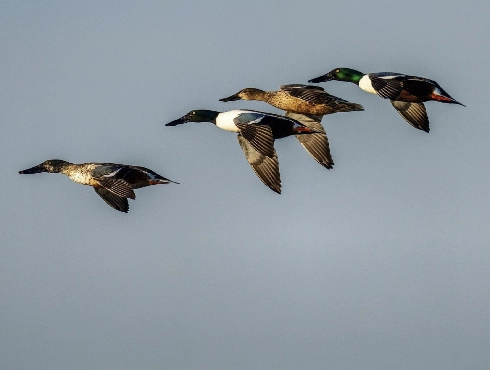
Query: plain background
pixel 380 263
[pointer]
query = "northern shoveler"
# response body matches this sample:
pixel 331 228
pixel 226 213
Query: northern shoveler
pixel 306 104
pixel 256 134
pixel 297 98
pixel 114 183
pixel 406 93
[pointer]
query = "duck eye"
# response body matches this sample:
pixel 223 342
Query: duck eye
pixel 337 70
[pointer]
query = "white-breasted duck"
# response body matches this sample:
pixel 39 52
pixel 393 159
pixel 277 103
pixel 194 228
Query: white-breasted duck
pixel 406 93
pixel 256 134
pixel 113 182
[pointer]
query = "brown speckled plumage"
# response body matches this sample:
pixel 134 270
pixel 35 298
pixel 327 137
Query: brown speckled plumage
pixel 113 182
pixel 297 98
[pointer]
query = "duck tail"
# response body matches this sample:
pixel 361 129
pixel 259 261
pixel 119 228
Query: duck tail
pixel 444 97
pixel 162 181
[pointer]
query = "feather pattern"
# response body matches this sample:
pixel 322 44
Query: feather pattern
pixel 315 144
pixel 265 167
pixel 117 186
pixel 116 202
pixel 414 113
pixel 259 137
pixel 315 95
pixel 386 88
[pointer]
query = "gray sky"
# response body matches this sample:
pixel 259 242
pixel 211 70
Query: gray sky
pixel 380 263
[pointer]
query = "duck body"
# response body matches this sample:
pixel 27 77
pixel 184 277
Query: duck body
pixel 406 93
pixel 280 126
pixel 256 134
pixel 113 182
pixel 400 87
pixel 298 98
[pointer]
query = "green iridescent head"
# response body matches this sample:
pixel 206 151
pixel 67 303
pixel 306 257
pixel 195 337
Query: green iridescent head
pixel 340 74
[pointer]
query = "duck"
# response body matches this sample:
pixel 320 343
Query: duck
pixel 113 182
pixel 298 98
pixel 406 93
pixel 256 134
pixel 307 104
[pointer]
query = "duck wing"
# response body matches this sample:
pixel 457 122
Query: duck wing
pixel 265 167
pixel 300 86
pixel 315 144
pixel 317 96
pixel 116 202
pixel 110 176
pixel 257 133
pixel 138 177
pixel 413 113
pixel 387 86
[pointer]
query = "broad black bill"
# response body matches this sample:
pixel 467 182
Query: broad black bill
pixel 177 121
pixel 36 169
pixel 323 78
pixel 231 98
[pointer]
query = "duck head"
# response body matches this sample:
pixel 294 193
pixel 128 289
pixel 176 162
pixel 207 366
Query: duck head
pixel 201 115
pixel 51 165
pixel 246 94
pixel 340 74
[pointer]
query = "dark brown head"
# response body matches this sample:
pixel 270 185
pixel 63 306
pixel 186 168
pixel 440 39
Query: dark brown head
pixel 51 165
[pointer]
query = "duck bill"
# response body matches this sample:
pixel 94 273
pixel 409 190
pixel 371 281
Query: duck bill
pixel 231 98
pixel 323 78
pixel 178 121
pixel 36 169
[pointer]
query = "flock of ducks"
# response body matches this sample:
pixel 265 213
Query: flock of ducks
pixel 305 106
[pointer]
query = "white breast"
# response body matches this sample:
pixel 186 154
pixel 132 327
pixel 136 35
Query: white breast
pixel 225 120
pixel 365 84
pixel 80 177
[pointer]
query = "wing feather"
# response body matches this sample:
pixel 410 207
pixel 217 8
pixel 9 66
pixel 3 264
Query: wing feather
pixel 265 167
pixel 116 202
pixel 414 113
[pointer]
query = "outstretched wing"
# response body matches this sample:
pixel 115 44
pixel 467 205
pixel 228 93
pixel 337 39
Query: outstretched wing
pixel 414 113
pixel 265 167
pixel 315 144
pixel 116 202
pixel 111 178
pixel 258 135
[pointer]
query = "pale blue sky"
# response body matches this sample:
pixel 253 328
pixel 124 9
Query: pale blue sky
pixel 380 263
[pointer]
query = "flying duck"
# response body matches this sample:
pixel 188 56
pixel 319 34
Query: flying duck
pixel 256 133
pixel 406 93
pixel 114 183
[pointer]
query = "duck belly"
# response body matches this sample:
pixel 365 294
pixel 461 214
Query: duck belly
pixel 83 178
